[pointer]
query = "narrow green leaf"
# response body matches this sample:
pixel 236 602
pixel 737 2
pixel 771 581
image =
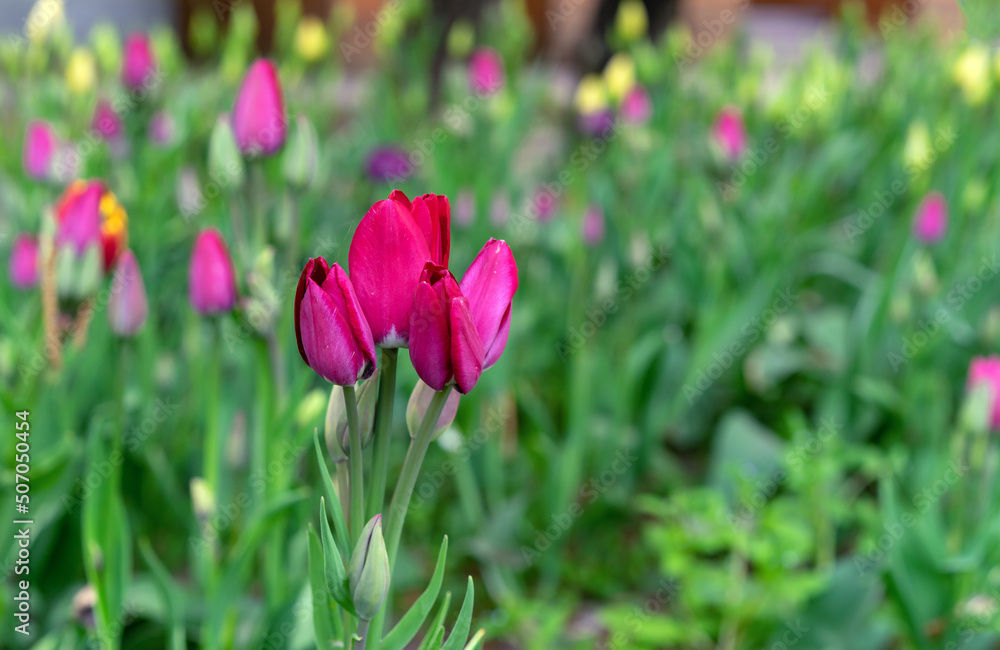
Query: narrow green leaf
pixel 333 564
pixel 331 496
pixel 435 633
pixel 322 616
pixel 476 640
pixel 410 623
pixel 171 595
pixel 460 631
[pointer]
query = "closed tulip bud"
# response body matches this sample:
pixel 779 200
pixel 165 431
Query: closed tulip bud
pixel 24 262
pixel 202 499
pixel 490 283
pixel 336 431
pixel 211 277
pixel 139 66
pixel 420 401
pixel 445 348
pixel 108 47
pixel 390 247
pixel 619 75
pixel 931 221
pixel 300 158
pixel 332 333
pixel 918 149
pixel 81 71
pixel 631 22
pixel 591 95
pixel 972 73
pixel 40 145
pixel 127 307
pixel 461 38
pixel 161 129
pixel 311 40
pixel 984 381
pixel 636 106
pixel 593 226
pixel 224 159
pixel 106 121
pixel 87 213
pixel 368 572
pixel 730 133
pixel 486 71
pixel 259 111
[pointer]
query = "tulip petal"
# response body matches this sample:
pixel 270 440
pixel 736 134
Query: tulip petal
pixel 339 285
pixel 317 270
pixel 466 347
pixel 499 343
pixel 429 338
pixel 490 284
pixel 432 214
pixel 327 338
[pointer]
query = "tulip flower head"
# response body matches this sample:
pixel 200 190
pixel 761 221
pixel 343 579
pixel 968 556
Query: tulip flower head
pixel 24 262
pixel 636 107
pixel 388 164
pixel 127 307
pixel 333 336
pixel 593 226
pixel 985 372
pixel 445 347
pixel 931 222
pixel 139 66
pixel 619 75
pixel 40 144
pixel 311 40
pixel 211 277
pixel 259 111
pixel 486 71
pixel 87 213
pixel 81 71
pixel 368 572
pixel 490 284
pixel 106 121
pixel 730 133
pixel 162 129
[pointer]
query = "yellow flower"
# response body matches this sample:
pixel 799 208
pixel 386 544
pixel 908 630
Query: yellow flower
pixel 619 75
pixel 311 41
pixel 591 95
pixel 631 22
pixel 972 73
pixel 43 17
pixel 461 38
pixel 917 151
pixel 81 71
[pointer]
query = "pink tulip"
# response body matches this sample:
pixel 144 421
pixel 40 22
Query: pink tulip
pixel 333 336
pixel 79 218
pixel 445 347
pixel 390 247
pixel 490 284
pixel 486 71
pixel 106 121
pixel 593 226
pixel 24 262
pixel 161 128
pixel 258 114
pixel 211 277
pixel 931 222
pixel 985 371
pixel 544 202
pixel 730 133
pixel 636 106
pixel 40 144
pixel 140 63
pixel 127 307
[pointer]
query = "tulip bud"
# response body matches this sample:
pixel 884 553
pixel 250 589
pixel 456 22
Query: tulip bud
pixel 931 220
pixel 461 38
pixel 311 41
pixel 972 73
pixel 24 262
pixel 106 121
pixel 300 159
pixel 127 307
pixel 636 106
pixel 619 75
pixel 211 277
pixel 388 164
pixel 983 406
pixel 490 283
pixel 593 225
pixel 40 144
pixel 918 149
pixel 224 160
pixel 486 71
pixel 333 336
pixel 81 71
pixel 631 22
pixel 591 95
pixel 202 499
pixel 190 199
pixel 259 111
pixel 107 47
pixel 368 572
pixel 140 63
pixel 336 430
pixel 420 401
pixel 730 133
pixel 161 128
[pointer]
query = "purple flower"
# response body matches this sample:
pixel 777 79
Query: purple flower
pixel 24 262
pixel 593 225
pixel 161 128
pixel 486 71
pixel 106 121
pixel 597 123
pixel 636 106
pixel 387 164
pixel 140 63
pixel 127 307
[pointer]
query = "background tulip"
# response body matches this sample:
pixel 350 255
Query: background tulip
pixel 931 221
pixel 486 71
pixel 636 106
pixel 387 164
pixel 211 278
pixel 368 571
pixel 40 144
pixel 387 255
pixel 24 262
pixel 593 225
pixel 985 372
pixel 127 307
pixel 490 284
pixel 106 121
pixel 333 336
pixel 730 133
pixel 162 128
pixel 444 343
pixel 81 205
pixel 259 111
pixel 139 64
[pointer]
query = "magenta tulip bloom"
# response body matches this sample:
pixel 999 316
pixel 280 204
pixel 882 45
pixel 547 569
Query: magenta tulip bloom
pixel 931 221
pixel 636 106
pixel 985 371
pixel 486 71
pixel 730 133
pixel 445 347
pixel 490 284
pixel 127 307
pixel 106 121
pixel 258 114
pixel 79 219
pixel 333 336
pixel 593 226
pixel 40 144
pixel 391 245
pixel 211 278
pixel 140 63
pixel 24 262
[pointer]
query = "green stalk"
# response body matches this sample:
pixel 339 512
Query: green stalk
pixel 357 480
pixel 383 433
pixel 404 491
pixel 363 634
pixel 213 437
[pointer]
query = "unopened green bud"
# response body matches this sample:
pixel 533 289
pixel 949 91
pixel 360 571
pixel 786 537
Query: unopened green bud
pixel 300 158
pixel 368 573
pixel 420 401
pixel 203 33
pixel 225 165
pixel 461 38
pixel 338 441
pixel 202 499
pixel 632 21
pixel 107 47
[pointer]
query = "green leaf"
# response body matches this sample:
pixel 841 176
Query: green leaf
pixel 322 616
pixel 172 595
pixel 460 631
pixel 331 496
pixel 410 623
pixel 333 564
pixel 476 640
pixel 435 634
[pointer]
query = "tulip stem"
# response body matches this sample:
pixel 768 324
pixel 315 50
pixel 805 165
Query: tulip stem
pixel 383 427
pixel 362 634
pixel 356 478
